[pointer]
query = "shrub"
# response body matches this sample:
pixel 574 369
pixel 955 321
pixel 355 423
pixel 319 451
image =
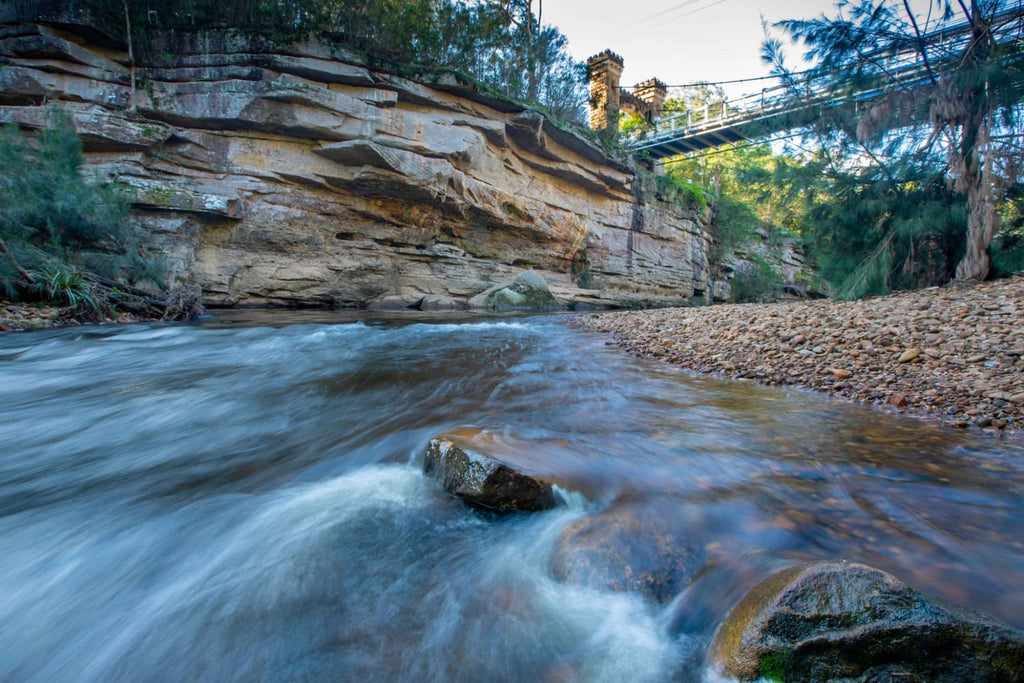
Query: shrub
pixel 60 236
pixel 756 282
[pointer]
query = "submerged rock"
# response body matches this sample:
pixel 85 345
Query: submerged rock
pixel 640 547
pixel 837 620
pixel 484 481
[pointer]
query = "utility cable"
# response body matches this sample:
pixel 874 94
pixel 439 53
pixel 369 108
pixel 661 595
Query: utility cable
pixel 662 13
pixel 695 11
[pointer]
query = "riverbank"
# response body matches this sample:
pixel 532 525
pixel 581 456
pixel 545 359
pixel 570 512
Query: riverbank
pixel 954 353
pixel 23 317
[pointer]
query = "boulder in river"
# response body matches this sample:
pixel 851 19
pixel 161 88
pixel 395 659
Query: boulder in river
pixel 838 620
pixel 438 302
pixel 641 546
pixel 527 292
pixel 484 481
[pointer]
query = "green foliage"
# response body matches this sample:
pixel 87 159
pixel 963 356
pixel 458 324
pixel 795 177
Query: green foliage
pixel 498 43
pixel 775 666
pixel 674 190
pixel 699 100
pixel 949 105
pixel 581 274
pixel 734 225
pixel 61 234
pixel 751 189
pixel 757 283
pixel 66 285
pixel 875 234
pixel 1007 250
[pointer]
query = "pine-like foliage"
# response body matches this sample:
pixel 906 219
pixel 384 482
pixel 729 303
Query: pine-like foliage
pixel 924 104
pixel 61 233
pixel 873 235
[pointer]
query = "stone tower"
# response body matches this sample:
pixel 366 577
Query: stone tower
pixel 653 92
pixel 604 71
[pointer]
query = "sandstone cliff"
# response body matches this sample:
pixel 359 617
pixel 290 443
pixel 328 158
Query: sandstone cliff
pixel 298 175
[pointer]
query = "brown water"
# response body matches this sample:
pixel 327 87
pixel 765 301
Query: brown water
pixel 242 500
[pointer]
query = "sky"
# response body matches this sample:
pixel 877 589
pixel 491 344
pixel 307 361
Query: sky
pixel 680 41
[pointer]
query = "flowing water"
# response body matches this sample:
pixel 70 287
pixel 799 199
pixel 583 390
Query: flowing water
pixel 242 499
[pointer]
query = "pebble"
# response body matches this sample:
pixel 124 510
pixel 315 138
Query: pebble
pixel 909 355
pixel 958 350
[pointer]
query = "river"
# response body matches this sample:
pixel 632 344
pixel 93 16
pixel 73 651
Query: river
pixel 242 499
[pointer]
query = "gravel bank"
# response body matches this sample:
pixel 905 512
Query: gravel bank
pixel 952 353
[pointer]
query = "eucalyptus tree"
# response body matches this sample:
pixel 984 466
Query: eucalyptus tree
pixel 940 88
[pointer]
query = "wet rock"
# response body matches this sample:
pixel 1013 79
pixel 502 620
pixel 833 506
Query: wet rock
pixel 898 400
pixel 484 481
pixel 644 547
pixel 843 621
pixel 437 302
pixel 529 291
pixel 396 302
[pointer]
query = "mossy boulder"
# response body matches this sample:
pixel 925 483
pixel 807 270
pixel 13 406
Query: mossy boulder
pixel 645 547
pixel 835 620
pixel 482 480
pixel 527 292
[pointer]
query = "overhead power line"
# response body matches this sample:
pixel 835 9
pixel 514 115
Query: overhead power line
pixel 698 9
pixel 657 15
pixel 698 84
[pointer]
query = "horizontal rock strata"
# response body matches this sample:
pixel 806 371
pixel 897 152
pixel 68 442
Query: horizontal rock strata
pixel 298 175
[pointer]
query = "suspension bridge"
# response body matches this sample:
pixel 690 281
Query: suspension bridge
pixel 798 103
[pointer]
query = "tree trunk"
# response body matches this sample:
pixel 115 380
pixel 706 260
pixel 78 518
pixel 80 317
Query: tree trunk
pixel 14 262
pixel 982 221
pixel 531 47
pixel 131 54
pixel 978 181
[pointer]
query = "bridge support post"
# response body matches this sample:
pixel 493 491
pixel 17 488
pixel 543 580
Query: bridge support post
pixel 605 71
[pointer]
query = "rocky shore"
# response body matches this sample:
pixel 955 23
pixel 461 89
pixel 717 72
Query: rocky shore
pixel 953 353
pixel 22 317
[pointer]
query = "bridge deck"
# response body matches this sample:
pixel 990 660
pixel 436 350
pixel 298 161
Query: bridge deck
pixel 695 131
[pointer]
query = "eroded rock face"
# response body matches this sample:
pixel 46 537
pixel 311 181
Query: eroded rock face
pixel 837 620
pixel 482 480
pixel 639 547
pixel 298 175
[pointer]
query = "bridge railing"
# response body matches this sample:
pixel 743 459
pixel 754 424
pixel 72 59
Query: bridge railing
pixel 771 104
pixel 713 115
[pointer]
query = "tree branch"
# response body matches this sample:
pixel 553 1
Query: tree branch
pixel 922 50
pixel 14 262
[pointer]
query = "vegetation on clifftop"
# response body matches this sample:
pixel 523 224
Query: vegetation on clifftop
pixel 501 44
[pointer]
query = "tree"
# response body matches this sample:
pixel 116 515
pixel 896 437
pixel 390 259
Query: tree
pixel 942 87
pixel 499 43
pixel 519 14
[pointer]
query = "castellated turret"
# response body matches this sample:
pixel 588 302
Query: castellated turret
pixel 604 71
